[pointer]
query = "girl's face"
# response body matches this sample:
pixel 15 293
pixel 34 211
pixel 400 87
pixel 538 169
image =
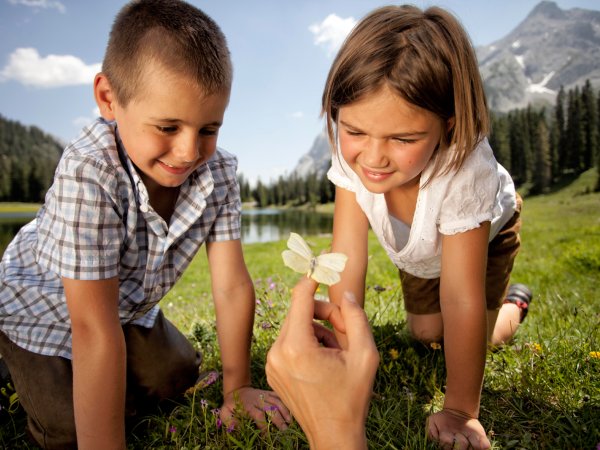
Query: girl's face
pixel 387 141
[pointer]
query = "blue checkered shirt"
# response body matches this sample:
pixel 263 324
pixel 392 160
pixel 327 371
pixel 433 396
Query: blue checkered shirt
pixel 97 223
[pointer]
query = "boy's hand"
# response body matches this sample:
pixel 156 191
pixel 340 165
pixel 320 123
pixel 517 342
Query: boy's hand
pixel 453 432
pixel 257 404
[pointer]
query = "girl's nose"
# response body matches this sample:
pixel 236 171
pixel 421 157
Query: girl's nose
pixel 374 153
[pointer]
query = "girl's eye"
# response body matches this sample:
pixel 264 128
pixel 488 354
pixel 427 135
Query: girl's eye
pixel 166 130
pixel 405 141
pixel 354 133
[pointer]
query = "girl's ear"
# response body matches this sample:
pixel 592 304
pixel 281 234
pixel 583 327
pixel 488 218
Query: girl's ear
pixel 450 124
pixel 104 95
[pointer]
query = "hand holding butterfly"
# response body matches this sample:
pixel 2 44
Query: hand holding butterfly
pixel 327 388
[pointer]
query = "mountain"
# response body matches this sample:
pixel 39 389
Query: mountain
pixel 551 48
pixel 317 159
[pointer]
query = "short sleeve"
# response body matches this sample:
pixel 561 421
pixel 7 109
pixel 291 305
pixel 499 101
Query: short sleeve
pixel 471 194
pixel 80 230
pixel 227 224
pixel 340 173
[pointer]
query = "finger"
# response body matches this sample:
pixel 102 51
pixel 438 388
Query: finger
pixel 325 336
pixel 276 416
pixel 460 442
pixel 300 316
pixel 479 442
pixel 356 322
pixel 432 430
pixel 330 312
pixel 257 415
pixel 273 399
pixel 446 439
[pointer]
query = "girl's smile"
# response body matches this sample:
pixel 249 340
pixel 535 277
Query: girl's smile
pixel 387 141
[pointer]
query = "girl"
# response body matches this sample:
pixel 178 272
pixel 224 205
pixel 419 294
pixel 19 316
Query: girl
pixel 407 117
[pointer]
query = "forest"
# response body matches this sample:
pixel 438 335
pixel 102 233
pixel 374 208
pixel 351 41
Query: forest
pixel 540 147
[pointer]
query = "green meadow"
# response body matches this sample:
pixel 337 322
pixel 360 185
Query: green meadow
pixel 542 391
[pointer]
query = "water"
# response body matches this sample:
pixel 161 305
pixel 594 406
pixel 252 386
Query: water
pixel 258 225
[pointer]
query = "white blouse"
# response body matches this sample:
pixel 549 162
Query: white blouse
pixel 481 190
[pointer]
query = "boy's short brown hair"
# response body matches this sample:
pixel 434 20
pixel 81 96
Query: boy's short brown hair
pixel 173 33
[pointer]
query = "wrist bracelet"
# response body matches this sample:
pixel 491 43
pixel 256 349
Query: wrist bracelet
pixel 459 413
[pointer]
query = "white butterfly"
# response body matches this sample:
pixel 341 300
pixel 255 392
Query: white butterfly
pixel 324 268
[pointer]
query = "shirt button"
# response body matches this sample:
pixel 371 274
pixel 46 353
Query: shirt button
pixel 144 208
pixel 158 289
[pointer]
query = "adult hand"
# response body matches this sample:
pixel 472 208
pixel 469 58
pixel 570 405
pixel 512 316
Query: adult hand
pixel 452 431
pixel 327 388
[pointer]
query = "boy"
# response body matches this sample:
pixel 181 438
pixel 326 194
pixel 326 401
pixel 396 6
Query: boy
pixel 133 199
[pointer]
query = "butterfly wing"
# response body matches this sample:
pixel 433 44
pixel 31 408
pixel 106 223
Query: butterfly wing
pixel 328 267
pixel 299 255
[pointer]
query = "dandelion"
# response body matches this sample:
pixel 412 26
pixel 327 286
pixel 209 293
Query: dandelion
pixel 394 354
pixel 595 355
pixel 435 345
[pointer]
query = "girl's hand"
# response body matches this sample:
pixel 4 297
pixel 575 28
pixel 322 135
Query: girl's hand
pixel 451 431
pixel 257 404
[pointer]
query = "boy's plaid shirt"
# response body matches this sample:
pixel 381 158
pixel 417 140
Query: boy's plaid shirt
pixel 97 223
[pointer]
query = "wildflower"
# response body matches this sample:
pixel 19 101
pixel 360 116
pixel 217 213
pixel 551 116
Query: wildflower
pixel 272 286
pixel 265 325
pixel 394 354
pixel 535 347
pixel 435 345
pixel 258 302
pixel 172 429
pixel 215 412
pixel 203 404
pixel 231 427
pixel 595 355
pixel 219 422
pixel 270 408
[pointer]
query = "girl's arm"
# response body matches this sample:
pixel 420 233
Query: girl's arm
pixel 462 299
pixel 99 359
pixel 350 236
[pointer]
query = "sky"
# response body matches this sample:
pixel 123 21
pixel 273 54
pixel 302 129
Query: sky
pixel 50 51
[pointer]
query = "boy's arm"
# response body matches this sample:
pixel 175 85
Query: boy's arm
pixel 462 300
pixel 99 359
pixel 350 236
pixel 233 294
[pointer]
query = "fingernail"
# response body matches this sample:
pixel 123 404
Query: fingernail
pixel 350 296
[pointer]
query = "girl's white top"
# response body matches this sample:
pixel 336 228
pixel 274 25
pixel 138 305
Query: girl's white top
pixel 481 190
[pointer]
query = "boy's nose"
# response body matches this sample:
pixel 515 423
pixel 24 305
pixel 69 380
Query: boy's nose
pixel 187 148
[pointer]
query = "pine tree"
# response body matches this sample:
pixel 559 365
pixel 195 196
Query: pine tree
pixel 590 125
pixel 542 174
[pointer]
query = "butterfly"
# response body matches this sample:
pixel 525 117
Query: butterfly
pixel 324 268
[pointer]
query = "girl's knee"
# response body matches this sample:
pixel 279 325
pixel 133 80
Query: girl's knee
pixel 426 328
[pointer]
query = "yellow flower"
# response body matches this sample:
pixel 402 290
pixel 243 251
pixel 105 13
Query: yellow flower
pixel 394 353
pixel 535 347
pixel 595 355
pixel 435 345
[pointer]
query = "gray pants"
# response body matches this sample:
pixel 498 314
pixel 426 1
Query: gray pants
pixel 161 364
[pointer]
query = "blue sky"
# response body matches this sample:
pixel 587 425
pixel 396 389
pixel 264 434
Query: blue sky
pixel 50 51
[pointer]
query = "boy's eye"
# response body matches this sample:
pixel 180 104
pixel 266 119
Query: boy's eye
pixel 208 131
pixel 166 130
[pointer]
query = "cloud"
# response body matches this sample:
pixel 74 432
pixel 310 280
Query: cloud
pixel 331 32
pixel 40 4
pixel 27 67
pixel 83 121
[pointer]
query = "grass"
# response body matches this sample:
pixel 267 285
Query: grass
pixel 540 392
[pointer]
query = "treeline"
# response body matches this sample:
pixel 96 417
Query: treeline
pixel 538 146
pixel 28 158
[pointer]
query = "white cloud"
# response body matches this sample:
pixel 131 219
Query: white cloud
pixel 27 67
pixel 83 121
pixel 331 32
pixel 40 4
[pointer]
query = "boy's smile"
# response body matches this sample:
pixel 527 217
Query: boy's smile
pixel 386 140
pixel 169 128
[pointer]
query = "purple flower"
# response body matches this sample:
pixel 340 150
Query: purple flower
pixel 215 412
pixel 271 408
pixel 219 422
pixel 172 429
pixel 272 286
pixel 231 427
pixel 203 403
pixel 265 325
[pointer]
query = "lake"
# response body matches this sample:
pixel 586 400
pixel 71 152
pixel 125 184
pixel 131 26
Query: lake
pixel 258 225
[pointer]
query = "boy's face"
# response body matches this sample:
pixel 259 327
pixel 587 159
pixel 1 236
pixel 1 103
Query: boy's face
pixel 169 128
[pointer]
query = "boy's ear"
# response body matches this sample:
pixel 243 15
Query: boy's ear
pixel 104 95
